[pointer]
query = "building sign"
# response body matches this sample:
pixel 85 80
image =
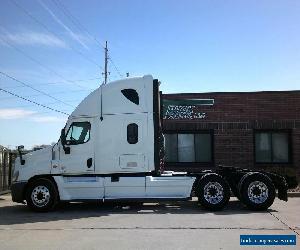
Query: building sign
pixel 186 109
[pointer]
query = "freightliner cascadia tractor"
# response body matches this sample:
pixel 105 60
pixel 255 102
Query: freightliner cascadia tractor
pixel 112 148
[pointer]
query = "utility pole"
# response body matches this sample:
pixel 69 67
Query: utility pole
pixel 105 63
pixel 105 73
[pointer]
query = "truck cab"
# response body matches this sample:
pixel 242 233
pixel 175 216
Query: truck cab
pixel 111 148
pixel 111 131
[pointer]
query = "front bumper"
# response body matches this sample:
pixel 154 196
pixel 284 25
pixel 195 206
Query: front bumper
pixel 17 191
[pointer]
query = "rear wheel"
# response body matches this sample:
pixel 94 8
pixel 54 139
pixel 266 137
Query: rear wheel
pixel 213 192
pixel 41 195
pixel 257 191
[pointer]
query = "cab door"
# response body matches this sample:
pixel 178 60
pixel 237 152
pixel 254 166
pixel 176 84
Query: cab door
pixel 79 138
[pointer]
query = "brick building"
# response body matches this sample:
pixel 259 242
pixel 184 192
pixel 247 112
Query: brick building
pixel 257 130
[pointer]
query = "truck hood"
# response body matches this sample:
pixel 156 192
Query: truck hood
pixel 39 161
pixel 39 153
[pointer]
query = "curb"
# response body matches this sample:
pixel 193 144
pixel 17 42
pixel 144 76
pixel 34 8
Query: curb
pixel 4 192
pixel 294 194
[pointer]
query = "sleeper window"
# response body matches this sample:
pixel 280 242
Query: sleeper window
pixel 78 133
pixel 131 95
pixel 132 133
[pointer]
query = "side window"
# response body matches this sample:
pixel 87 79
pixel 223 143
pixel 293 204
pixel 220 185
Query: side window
pixel 132 133
pixel 78 133
pixel 131 95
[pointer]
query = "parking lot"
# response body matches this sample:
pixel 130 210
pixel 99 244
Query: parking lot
pixel 167 225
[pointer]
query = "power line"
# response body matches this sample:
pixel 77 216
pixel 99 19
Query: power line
pixel 53 83
pixel 75 21
pixel 80 80
pixel 53 33
pixel 29 86
pixel 39 63
pixel 29 105
pixel 79 25
pixel 54 93
pixel 36 103
pixel 116 68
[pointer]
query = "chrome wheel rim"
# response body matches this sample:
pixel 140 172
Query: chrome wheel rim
pixel 40 196
pixel 258 192
pixel 213 192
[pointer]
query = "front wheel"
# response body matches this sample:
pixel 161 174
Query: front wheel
pixel 41 195
pixel 213 192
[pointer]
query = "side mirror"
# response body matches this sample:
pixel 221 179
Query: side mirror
pixel 20 148
pixel 64 142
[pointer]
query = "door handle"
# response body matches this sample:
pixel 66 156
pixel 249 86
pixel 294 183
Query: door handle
pixel 89 162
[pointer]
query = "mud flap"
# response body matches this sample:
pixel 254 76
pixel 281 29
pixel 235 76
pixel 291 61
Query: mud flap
pixel 282 192
pixel 282 186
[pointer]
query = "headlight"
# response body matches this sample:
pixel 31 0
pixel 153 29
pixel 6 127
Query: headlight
pixel 15 176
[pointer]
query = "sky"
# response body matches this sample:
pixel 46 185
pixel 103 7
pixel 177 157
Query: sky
pixel 54 47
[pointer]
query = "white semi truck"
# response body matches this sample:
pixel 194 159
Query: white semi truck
pixel 111 148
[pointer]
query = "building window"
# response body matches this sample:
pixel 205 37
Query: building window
pixel 272 147
pixel 187 147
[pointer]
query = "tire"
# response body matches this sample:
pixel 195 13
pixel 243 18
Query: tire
pixel 213 192
pixel 41 195
pixel 257 191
